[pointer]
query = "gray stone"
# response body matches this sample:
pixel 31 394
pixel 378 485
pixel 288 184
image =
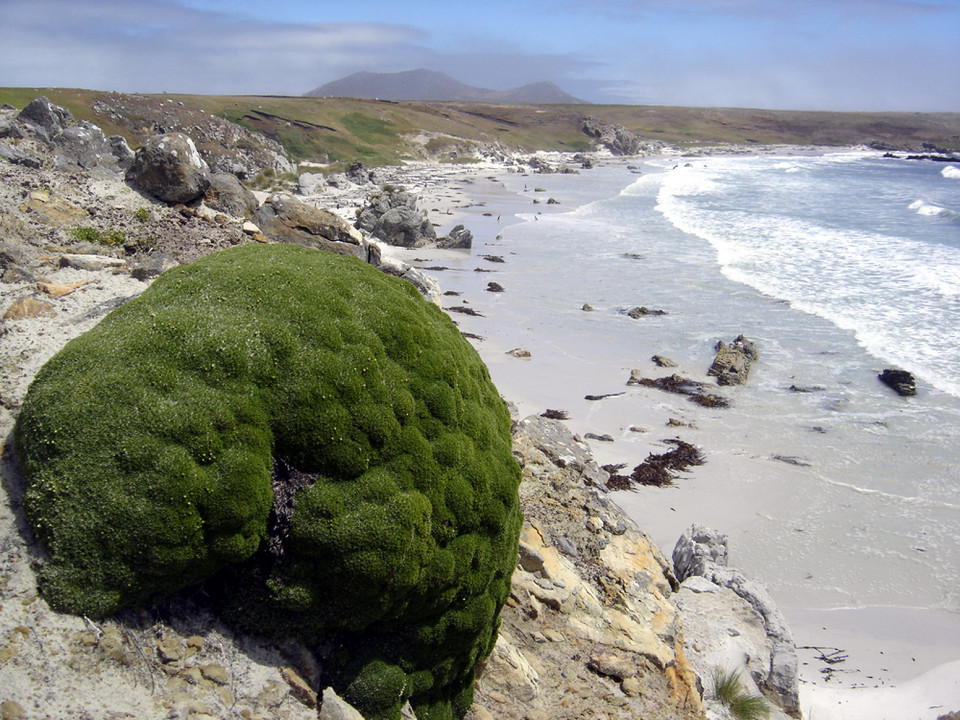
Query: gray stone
pixel 170 168
pixel 392 216
pixel 46 117
pixel 18 158
pixel 458 239
pixel 309 183
pixel 152 266
pixel 701 551
pixel 560 445
pixel 229 196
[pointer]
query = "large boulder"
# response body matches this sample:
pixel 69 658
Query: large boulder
pixel 404 227
pixel 228 195
pixel 285 219
pixel 170 168
pixel 310 437
pixel 731 366
pixel 702 553
pixel 48 120
pixel 616 138
pixel 391 215
pixel 457 239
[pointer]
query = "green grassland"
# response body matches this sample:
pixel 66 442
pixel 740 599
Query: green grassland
pixel 340 130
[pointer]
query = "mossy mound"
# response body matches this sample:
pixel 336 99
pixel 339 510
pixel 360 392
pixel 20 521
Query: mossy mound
pixel 151 447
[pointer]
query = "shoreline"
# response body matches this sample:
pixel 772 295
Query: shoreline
pixel 884 663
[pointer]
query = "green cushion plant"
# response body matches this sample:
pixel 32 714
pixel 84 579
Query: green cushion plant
pixel 310 429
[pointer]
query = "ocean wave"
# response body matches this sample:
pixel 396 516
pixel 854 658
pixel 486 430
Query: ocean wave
pixel 895 294
pixel 951 172
pixel 922 207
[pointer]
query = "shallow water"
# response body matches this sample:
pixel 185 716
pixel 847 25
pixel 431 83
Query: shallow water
pixel 842 495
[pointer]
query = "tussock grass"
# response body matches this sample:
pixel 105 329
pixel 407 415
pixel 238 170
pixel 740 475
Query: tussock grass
pixel 743 705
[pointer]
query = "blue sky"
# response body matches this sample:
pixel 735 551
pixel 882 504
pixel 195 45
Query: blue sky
pixel 791 54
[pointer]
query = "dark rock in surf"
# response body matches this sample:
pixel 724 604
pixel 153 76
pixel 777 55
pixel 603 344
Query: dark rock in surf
pixel 901 381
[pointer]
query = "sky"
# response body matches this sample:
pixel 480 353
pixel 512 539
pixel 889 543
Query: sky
pixel 901 55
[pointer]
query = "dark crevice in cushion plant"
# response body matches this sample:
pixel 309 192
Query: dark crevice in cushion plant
pixel 149 444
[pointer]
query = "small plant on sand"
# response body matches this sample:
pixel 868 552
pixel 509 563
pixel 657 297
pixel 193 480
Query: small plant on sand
pixel 743 705
pixel 141 215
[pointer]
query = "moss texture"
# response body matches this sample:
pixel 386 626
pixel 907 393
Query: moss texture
pixel 149 444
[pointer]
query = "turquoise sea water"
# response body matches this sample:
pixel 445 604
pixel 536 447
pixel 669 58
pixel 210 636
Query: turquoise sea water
pixel 835 492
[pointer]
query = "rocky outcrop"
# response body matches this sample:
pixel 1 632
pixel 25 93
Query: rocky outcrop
pixel 285 219
pixel 391 215
pixel 590 629
pixel 457 239
pixel 74 144
pixel 701 555
pixel 227 195
pixel 901 381
pixel 617 139
pixel 731 366
pixel 170 168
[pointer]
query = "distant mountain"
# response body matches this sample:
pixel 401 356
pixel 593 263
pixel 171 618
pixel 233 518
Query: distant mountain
pixel 433 86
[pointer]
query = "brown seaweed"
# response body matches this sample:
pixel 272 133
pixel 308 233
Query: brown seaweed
pixel 658 470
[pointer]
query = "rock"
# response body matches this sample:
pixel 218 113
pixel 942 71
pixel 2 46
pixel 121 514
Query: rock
pixel 519 352
pixel 611 665
pixel 170 168
pixel 84 145
pixel 703 552
pixel 392 216
pixel 17 157
pixel 309 183
pixel 458 239
pixel 602 438
pixel 80 261
pixel 494 287
pixel 900 380
pixel 643 311
pixel 58 290
pixel 507 671
pixel 333 707
pixel 299 687
pixel 560 447
pixel 732 363
pixel 404 227
pixel 616 138
pixel 229 196
pixel 53 210
pixel 285 219
pixel 152 266
pixel 664 362
pixel 29 308
pixel 215 674
pixel 12 710
pixel 587 307
pixel 358 174
pixel 426 285
pixel 50 119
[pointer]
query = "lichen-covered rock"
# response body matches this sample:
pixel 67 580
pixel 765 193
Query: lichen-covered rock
pixel 170 168
pixel 285 219
pixel 312 426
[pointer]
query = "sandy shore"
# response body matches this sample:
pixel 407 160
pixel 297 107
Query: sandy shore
pixel 899 662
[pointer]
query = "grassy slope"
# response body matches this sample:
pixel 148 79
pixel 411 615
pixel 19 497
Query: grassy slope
pixel 378 132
